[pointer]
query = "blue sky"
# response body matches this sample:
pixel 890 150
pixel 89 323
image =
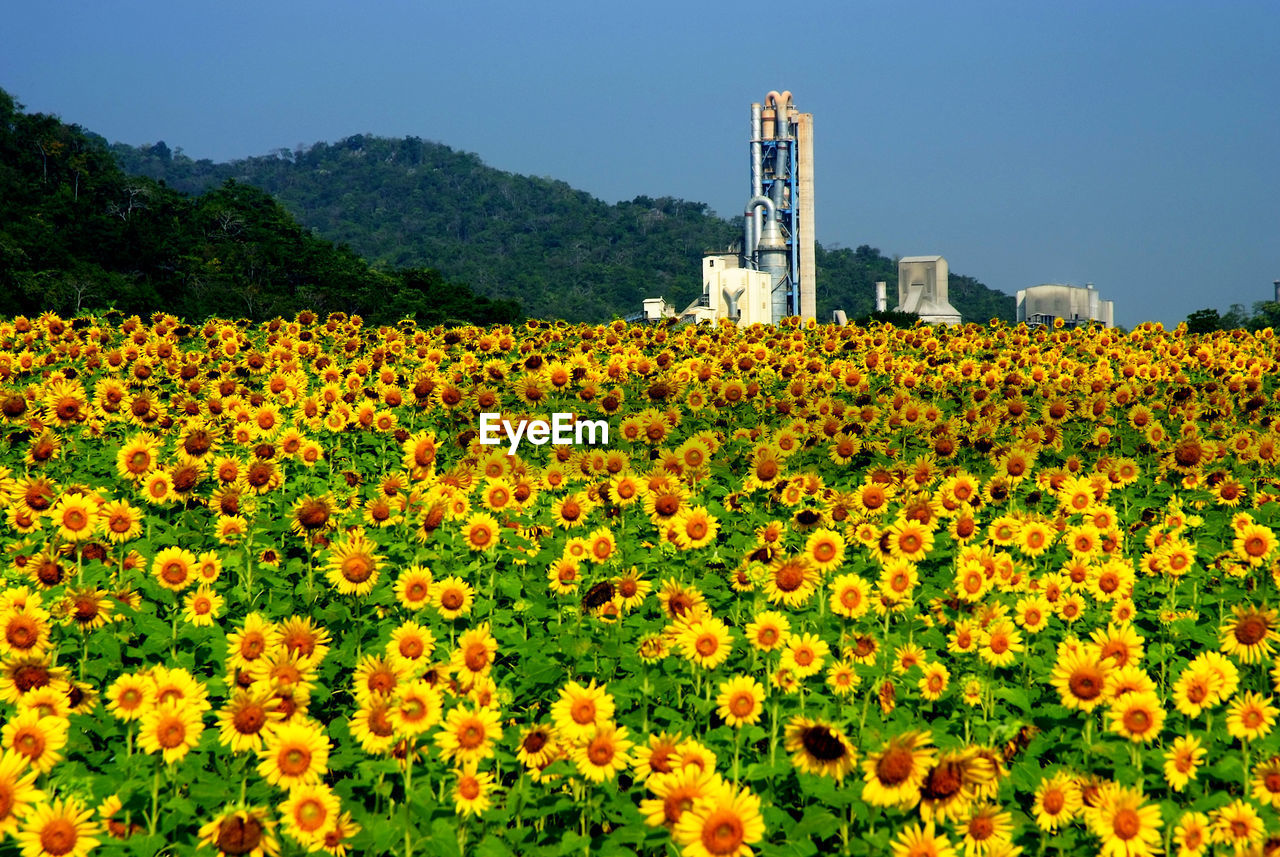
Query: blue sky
pixel 1132 145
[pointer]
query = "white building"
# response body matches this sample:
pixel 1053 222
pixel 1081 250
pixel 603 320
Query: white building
pixel 922 289
pixel 1073 304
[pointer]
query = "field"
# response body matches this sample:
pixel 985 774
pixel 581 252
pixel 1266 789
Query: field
pixel 979 590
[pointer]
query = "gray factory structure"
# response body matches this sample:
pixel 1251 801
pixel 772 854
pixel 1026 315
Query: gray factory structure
pixel 1076 306
pixel 773 274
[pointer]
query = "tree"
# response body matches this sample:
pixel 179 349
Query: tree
pixel 1204 321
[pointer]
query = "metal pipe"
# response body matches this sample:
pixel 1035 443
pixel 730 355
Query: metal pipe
pixel 749 237
pixel 757 171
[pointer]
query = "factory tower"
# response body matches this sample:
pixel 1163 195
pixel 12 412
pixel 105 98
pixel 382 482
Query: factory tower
pixel 778 235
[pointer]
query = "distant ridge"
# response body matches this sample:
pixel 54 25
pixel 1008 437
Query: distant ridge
pixel 561 252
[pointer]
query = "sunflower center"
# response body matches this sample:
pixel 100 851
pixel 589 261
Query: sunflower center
pixel 295 761
pixel 21 633
pixel 822 744
pixel 30 676
pixel 895 766
pixel 601 752
pixel 1054 801
pixel 1137 721
pixel 583 711
pixel 310 815
pixel 58 836
pixel 742 705
pixel 249 720
pixel 1251 630
pixel 707 645
pixel 981 827
pixel 722 833
pixel 29 744
pixel 1126 823
pixel 788 578
pixel 451 599
pixel 171 734
pixel 1086 683
pixel 471 736
pixel 357 568
pixel 469 788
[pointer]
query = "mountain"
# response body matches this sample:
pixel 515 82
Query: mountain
pixel 77 233
pixel 559 251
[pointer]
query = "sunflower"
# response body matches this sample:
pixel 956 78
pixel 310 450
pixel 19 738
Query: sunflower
pixel 1249 635
pixel 481 533
pixel 605 753
pixel 452 597
pixel 309 812
pixel 247 831
pixel 24 630
pixel 848 596
pixel 740 701
pixel 804 654
pixel 706 642
pixel 1254 544
pixel 254 640
pixel 76 516
pixel 58 829
pixel 312 516
pixel 37 739
pixel 471 790
pixel 1137 716
pixel 1265 783
pixel 138 457
pixel 295 753
pixel 819 748
pixel 18 792
pixel 723 823
pixel 474 655
pixel 246 720
pixel 371 725
pixel 791 581
pixel 537 748
pixel 1000 643
pixel 376 675
pixel 1127 826
pixel 986 828
pixel 1238 825
pixel 1057 801
pixel 174 568
pixel 171 728
pixel 675 793
pixel 1080 678
pixel 694 527
pixel 353 564
pixel 909 540
pixel 1182 760
pixel 129 696
pixel 1251 716
pixel 934 681
pixel 157 488
pixel 413 587
pixel 202 607
pixel 1192 835
pixel 468 735
pixel 411 646
pixel 579 710
pixel 893 774
pixel 917 841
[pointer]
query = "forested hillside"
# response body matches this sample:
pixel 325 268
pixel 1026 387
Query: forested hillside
pixel 77 232
pixel 559 251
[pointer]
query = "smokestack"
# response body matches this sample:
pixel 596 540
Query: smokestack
pixel 1276 283
pixel 882 296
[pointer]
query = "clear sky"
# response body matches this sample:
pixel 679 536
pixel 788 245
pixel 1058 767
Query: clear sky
pixel 1132 145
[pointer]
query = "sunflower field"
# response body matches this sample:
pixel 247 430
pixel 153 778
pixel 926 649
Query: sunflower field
pixel 982 590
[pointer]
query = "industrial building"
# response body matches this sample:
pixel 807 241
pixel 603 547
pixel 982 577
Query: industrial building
pixel 773 274
pixel 1076 306
pixel 922 289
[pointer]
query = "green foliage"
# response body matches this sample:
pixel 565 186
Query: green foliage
pixel 1204 321
pixel 559 251
pixel 78 233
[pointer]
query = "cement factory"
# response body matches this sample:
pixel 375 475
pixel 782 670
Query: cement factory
pixel 772 275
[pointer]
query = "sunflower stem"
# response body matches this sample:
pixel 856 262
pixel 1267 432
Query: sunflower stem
pixel 155 801
pixel 408 781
